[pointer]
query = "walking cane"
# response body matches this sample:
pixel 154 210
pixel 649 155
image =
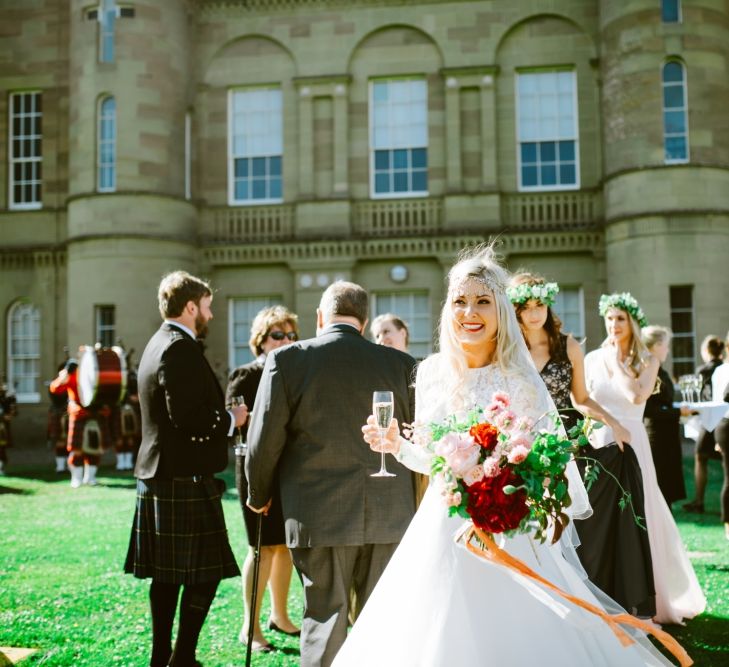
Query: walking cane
pixel 254 592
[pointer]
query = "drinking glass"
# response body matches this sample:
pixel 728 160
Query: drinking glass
pixel 683 386
pixel 239 447
pixel 383 405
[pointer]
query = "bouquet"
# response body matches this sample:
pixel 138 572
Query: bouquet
pixel 494 468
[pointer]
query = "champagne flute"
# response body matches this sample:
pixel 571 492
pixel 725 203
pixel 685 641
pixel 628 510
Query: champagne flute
pixel 383 405
pixel 239 447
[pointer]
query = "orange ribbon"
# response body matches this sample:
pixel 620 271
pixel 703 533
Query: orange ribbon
pixel 492 552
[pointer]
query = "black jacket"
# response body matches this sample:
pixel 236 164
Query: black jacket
pixel 184 421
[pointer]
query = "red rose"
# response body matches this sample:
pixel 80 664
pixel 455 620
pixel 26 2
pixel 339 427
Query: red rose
pixel 491 509
pixel 485 434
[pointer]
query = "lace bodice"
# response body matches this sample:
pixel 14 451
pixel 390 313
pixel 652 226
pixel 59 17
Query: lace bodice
pixel 557 375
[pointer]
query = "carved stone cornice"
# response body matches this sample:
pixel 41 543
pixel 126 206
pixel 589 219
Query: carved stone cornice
pixel 262 6
pixel 349 250
pixel 32 258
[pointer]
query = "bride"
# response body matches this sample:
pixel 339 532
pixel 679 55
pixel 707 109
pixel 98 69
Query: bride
pixel 436 604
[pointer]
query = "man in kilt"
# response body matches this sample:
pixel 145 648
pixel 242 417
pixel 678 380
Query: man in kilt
pixel 85 428
pixel 179 538
pixel 57 426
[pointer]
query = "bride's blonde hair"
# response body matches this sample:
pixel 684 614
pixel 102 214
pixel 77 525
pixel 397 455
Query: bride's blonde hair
pixel 511 355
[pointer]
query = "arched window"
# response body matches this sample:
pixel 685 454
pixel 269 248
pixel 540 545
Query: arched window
pixel 675 113
pixel 106 143
pixel 24 351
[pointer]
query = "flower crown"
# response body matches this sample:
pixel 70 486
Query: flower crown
pixel 624 301
pixel 543 292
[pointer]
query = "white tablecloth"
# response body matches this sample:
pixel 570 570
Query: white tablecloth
pixel 710 414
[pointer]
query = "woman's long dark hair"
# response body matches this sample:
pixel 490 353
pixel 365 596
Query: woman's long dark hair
pixel 553 325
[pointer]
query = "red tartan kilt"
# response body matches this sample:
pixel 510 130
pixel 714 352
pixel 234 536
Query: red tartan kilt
pixel 76 427
pixel 54 428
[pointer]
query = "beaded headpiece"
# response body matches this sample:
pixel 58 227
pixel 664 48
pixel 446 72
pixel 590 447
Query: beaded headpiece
pixel 543 292
pixel 460 286
pixel 624 301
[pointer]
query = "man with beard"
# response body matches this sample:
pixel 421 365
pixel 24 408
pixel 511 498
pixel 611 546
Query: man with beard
pixel 179 538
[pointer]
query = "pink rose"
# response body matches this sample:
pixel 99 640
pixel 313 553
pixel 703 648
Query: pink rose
pixel 491 467
pixel 453 499
pixel 475 474
pixel 501 397
pixel 459 450
pixel 504 420
pixel 524 424
pixel 518 454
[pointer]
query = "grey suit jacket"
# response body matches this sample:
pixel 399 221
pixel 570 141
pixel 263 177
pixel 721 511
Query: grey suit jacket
pixel 313 399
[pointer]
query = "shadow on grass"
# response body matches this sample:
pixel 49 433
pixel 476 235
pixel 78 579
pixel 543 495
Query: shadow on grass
pixel 14 491
pixel 705 638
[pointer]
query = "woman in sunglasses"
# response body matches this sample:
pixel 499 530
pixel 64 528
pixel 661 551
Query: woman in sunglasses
pixel 272 328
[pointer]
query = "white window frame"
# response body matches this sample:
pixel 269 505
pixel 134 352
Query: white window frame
pixel 232 201
pixel 188 155
pixel 579 335
pixel 684 109
pixel 100 328
pixel 413 194
pixel 24 397
pixel 575 111
pixel 12 161
pixel 266 301
pixel 680 13
pixel 104 7
pixel 100 167
pixel 406 317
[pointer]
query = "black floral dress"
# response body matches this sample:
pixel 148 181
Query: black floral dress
pixel 557 375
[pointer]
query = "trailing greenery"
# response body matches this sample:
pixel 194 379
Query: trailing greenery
pixel 62 589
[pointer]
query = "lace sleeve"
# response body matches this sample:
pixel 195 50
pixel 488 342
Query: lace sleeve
pixel 427 402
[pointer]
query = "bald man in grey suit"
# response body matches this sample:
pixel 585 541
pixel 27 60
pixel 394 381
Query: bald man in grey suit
pixel 342 525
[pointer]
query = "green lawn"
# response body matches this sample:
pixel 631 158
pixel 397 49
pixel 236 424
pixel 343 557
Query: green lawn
pixel 62 589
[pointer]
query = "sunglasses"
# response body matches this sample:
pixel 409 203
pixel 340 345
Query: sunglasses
pixel 280 335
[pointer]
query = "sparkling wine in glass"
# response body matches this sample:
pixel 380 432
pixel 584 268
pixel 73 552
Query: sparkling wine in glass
pixel 382 407
pixel 239 447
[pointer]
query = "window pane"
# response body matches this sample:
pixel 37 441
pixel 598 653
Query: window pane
pixel 241 189
pixel 420 181
pixel 382 160
pixel 566 151
pixel 529 176
pixel 672 96
pixel 529 152
pixel 382 183
pixel 676 148
pixel 549 175
pixel 259 189
pixel 419 158
pixel 675 122
pixel 241 168
pixel 672 71
pixel 547 152
pixel 275 166
pixel 567 174
pixel 276 190
pixel 681 296
pixel 670 11
pixel 681 321
pixel 401 182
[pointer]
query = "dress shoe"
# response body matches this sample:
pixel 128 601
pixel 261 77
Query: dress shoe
pixel 256 648
pixel 693 506
pixel 273 626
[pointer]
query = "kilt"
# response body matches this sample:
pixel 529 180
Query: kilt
pixel 179 534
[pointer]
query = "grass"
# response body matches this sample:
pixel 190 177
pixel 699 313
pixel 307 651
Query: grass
pixel 62 589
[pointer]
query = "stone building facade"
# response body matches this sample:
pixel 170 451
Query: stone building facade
pixel 274 146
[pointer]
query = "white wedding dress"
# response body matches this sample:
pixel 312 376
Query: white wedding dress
pixel 438 605
pixel 678 594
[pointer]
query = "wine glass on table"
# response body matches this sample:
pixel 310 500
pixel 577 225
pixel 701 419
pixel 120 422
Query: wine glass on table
pixel 383 406
pixel 239 447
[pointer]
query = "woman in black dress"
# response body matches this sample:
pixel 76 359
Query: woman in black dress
pixel 272 328
pixel 661 421
pixel 614 551
pixel 712 352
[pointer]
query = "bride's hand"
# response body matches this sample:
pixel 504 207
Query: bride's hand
pixel 621 435
pixel 389 443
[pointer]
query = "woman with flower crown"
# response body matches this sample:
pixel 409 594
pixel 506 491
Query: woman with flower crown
pixel 436 603
pixel 621 375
